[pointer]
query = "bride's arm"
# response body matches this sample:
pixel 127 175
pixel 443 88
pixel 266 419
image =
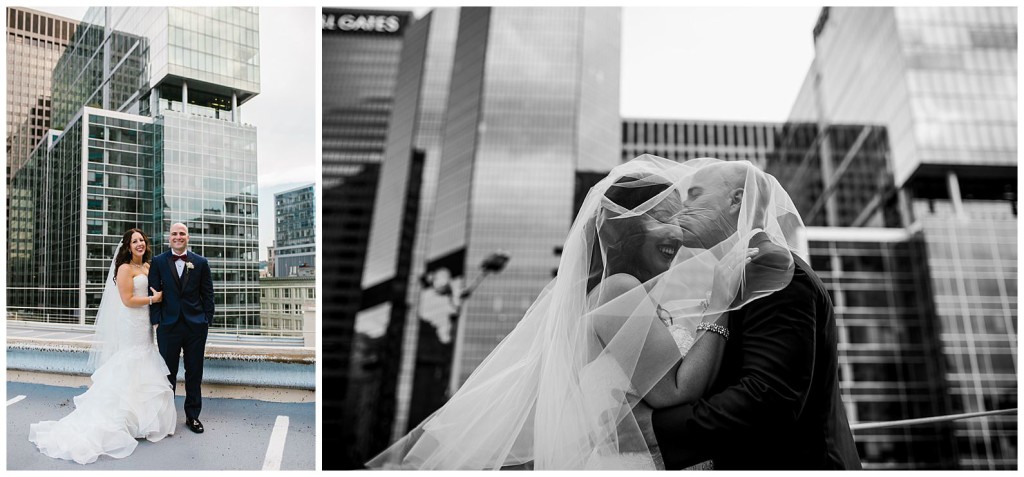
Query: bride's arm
pixel 124 288
pixel 689 378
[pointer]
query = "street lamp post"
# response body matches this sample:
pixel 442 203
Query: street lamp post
pixel 492 264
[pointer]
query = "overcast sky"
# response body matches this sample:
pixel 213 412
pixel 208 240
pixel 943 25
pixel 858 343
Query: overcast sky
pixel 729 63
pixel 725 63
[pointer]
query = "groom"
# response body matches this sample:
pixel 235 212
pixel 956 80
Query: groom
pixel 183 317
pixel 775 403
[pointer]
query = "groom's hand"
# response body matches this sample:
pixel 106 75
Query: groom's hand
pixel 727 280
pixel 158 296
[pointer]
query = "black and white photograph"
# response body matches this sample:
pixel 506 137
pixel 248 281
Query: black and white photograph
pixel 666 238
pixel 162 184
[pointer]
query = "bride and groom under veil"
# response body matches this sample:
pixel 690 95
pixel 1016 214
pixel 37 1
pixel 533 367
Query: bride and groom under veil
pixel 132 392
pixel 681 330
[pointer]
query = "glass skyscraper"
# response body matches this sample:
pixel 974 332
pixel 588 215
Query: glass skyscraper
pixel 35 41
pixel 386 329
pixel 528 107
pixel 497 122
pixel 875 270
pixel 836 177
pixel 146 132
pixel 295 230
pixel 890 364
pixel 943 83
pixel 495 113
pixel 361 52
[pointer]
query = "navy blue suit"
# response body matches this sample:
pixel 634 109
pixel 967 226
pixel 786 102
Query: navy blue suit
pixel 184 316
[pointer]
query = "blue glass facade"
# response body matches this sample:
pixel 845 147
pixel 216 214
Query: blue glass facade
pixel 295 230
pixel 138 143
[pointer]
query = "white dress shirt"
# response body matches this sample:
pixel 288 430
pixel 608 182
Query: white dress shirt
pixel 180 264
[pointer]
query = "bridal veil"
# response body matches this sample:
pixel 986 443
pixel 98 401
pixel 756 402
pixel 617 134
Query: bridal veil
pixel 105 340
pixel 555 395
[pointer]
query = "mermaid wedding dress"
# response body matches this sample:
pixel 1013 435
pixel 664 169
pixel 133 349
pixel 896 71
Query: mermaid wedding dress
pixel 647 457
pixel 129 398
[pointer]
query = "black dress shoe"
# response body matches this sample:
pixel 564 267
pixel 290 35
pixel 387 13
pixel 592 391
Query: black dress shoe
pixel 194 425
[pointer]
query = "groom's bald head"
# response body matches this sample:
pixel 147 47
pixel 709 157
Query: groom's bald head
pixel 179 238
pixel 713 203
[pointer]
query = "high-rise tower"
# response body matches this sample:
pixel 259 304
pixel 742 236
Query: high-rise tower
pixel 943 83
pixel 146 131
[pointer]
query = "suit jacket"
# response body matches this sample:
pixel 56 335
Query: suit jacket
pixel 189 297
pixel 775 403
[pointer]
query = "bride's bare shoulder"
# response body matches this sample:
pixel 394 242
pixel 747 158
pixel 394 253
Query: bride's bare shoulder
pixel 617 285
pixel 607 322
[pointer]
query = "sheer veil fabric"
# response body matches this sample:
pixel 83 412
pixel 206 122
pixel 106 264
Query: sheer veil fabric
pixel 105 341
pixel 556 393
pixel 129 398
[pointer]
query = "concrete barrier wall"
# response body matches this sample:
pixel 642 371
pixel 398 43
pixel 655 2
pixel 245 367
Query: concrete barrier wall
pixel 278 367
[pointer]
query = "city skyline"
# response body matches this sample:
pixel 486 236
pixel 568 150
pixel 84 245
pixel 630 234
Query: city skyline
pixel 147 133
pixel 893 130
pixel 876 243
pixel 781 55
pixel 285 113
pixel 729 94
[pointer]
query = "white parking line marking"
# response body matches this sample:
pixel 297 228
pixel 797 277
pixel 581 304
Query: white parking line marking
pixel 275 450
pixel 15 399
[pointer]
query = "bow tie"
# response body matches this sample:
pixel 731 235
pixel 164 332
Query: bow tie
pixel 179 257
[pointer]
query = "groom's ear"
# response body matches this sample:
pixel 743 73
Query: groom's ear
pixel 735 200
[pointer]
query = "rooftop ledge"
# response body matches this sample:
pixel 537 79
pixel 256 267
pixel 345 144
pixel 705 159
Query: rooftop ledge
pixel 226 364
pixel 276 354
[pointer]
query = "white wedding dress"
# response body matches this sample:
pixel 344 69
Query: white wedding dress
pixel 564 389
pixel 130 397
pixel 597 379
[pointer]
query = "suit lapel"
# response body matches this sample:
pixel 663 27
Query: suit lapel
pixel 184 271
pixel 174 271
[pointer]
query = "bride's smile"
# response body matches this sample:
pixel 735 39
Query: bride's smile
pixel 129 398
pixel 663 237
pixel 138 245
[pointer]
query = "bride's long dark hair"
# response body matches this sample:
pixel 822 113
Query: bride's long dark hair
pixel 125 254
pixel 622 257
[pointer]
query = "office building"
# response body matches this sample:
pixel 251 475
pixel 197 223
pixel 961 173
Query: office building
pixel 295 230
pixel 545 124
pixel 35 40
pixel 386 325
pixel 361 51
pixel 799 154
pixel 146 132
pixel 942 82
pixel 284 301
pixel 520 125
pixel 267 269
pixel 840 180
pixel 527 115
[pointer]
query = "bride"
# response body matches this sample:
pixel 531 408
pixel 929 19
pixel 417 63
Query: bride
pixel 634 319
pixel 129 398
